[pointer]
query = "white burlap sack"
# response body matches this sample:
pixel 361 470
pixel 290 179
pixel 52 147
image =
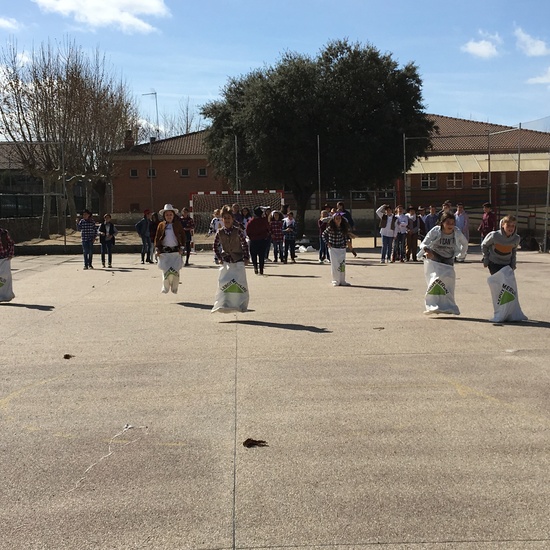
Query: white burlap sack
pixel 170 264
pixel 440 294
pixel 6 288
pixel 504 291
pixel 232 294
pixel 338 265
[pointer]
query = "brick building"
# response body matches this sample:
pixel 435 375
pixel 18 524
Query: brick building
pixel 167 170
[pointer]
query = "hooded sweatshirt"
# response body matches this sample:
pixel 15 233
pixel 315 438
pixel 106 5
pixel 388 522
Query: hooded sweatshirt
pixel 498 248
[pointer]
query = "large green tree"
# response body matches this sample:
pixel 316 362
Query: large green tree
pixel 354 101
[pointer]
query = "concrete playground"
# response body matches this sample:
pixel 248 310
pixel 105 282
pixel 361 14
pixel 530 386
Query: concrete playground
pixel 124 411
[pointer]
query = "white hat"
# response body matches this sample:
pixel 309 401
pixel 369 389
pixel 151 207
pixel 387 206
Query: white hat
pixel 168 207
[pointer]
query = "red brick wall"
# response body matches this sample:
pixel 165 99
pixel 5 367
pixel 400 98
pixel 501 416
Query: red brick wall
pixel 134 194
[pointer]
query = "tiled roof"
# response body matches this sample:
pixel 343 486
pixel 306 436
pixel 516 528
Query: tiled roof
pixel 456 135
pixel 185 145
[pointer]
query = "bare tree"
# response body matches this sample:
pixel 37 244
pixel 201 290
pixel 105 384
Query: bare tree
pixel 185 121
pixel 66 114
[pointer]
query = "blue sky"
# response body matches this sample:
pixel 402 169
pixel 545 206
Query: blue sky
pixel 487 60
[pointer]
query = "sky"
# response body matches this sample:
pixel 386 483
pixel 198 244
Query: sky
pixel 484 60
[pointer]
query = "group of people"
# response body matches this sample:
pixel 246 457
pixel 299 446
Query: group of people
pixel 402 231
pixel 89 232
pixel 263 228
pixel 438 238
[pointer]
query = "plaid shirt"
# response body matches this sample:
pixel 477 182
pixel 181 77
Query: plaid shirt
pixel 7 245
pixel 276 231
pixel 88 230
pixel 335 239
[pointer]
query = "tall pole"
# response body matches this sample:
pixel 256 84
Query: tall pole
pixel 545 241
pixel 404 162
pixel 519 173
pixel 319 170
pixel 489 165
pixel 237 184
pixel 151 141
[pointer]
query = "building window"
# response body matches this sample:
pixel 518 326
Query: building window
pixel 151 172
pixel 133 173
pixel 454 181
pixel 202 172
pixel 428 181
pixel 184 172
pixel 479 179
pixel 359 196
pixel 386 195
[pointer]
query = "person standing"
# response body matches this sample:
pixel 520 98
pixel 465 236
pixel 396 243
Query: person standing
pixel 188 225
pixel 430 220
pixel 488 220
pixel 337 235
pixel 169 247
pixel 401 227
pixel 107 232
pixel 276 229
pixel 322 224
pixel 387 230
pixel 258 233
pixel 462 222
pixel 290 230
pixel 88 233
pixel 7 252
pixel 412 234
pixel 144 231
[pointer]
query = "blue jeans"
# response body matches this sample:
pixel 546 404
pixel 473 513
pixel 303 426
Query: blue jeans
pixel 386 248
pixel 323 250
pixel 88 250
pixel 290 245
pixel 278 250
pixel 145 248
pixel 107 248
pixel 399 247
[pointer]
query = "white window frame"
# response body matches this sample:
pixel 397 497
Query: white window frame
pixel 151 172
pixel 455 180
pixel 428 181
pixel 480 180
pixel 184 173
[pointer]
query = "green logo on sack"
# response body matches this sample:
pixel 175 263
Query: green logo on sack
pixel 507 295
pixel 342 267
pixel 437 288
pixel 233 286
pixel 2 282
pixel 171 271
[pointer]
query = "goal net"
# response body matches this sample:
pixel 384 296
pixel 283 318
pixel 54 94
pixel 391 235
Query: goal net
pixel 203 204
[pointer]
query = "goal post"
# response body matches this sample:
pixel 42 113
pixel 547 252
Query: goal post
pixel 203 203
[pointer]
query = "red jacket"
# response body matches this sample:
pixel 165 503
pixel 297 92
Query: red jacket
pixel 257 229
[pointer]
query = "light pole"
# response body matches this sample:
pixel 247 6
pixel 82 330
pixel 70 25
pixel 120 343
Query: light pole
pixel 156 109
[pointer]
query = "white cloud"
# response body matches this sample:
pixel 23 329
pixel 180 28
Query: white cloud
pixel 480 48
pixel 130 16
pixel 543 79
pixel 530 46
pixel 9 24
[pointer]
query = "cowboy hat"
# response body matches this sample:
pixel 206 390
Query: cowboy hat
pixel 168 206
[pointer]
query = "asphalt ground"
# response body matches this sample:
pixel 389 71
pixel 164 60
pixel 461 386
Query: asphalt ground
pixel 385 428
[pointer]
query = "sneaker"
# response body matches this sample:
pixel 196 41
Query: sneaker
pixel 334 283
pixel 91 266
pixel 345 283
pixel 382 262
pixel 85 267
pixel 321 261
pixel 142 262
pixel 104 265
pixel 109 265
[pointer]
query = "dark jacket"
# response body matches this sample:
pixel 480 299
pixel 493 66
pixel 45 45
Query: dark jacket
pixel 112 232
pixel 142 227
